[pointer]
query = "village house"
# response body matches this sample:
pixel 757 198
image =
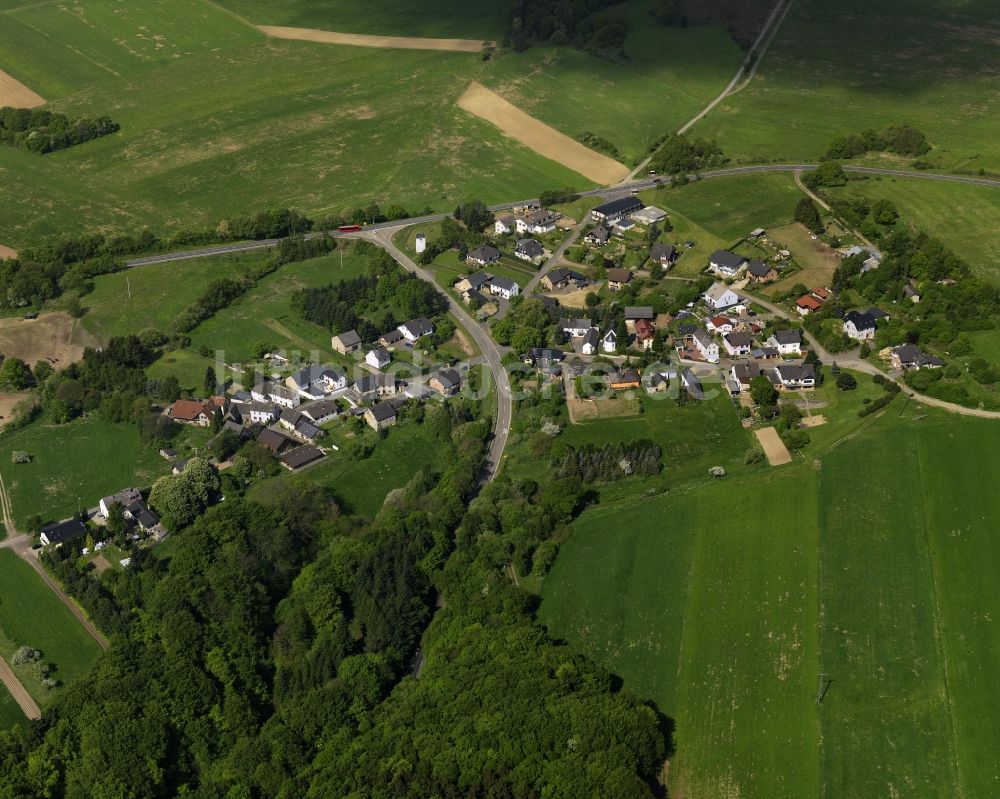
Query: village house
pixel 446 382
pixel 537 222
pixel 275 441
pixel 300 426
pixel 560 278
pixel 261 412
pixel 543 358
pixel 663 254
pixel 624 380
pixel 706 345
pixel 504 224
pixel 912 358
pixel 690 381
pixel 124 498
pixel 321 411
pixel 911 292
pixel 614 210
pixel 719 296
pixel 726 264
pixel 195 412
pixel 528 250
pixel 268 392
pixel 760 272
pixel 617 278
pixel 346 342
pixel 644 334
pixel 473 282
pixel 300 457
pixel 576 328
pixel 379 358
pixel 609 341
pixel 392 337
pixel 57 533
pixel 720 324
pixel 623 225
pixel 486 254
pixel 742 373
pixel 380 415
pixel 796 375
pixel 786 342
pixel 504 287
pixel 416 329
pixel 379 384
pixel 590 342
pixel 806 304
pixel 633 313
pixel 737 344
pixel 859 326
pixel 649 215
pixel 598 236
pixel 313 381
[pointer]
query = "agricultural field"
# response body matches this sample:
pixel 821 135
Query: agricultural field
pixel 963 217
pixel 879 579
pixel 837 68
pixel 31 615
pixel 10 713
pixel 85 459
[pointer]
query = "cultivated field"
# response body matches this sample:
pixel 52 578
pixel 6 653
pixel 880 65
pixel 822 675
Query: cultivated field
pixel 54 337
pixel 543 139
pixel 366 40
pixel 837 68
pixel 774 448
pixel 16 94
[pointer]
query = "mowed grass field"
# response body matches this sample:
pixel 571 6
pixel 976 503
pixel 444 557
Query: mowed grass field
pixel 86 458
pixel 871 562
pixel 965 218
pixel 10 713
pixel 837 68
pixel 31 615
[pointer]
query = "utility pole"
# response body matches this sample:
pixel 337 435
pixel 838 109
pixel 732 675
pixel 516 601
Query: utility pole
pixel 128 286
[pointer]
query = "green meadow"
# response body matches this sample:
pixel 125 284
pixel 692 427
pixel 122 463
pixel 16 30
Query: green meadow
pixel 837 68
pixel 868 562
pixel 10 713
pixel 31 615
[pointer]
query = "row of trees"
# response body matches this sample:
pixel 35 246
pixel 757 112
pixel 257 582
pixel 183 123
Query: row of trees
pixel 678 155
pixel 40 131
pixel 576 22
pixel 899 139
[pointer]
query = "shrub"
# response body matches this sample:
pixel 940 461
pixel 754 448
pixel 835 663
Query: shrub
pixel 20 456
pixel 846 382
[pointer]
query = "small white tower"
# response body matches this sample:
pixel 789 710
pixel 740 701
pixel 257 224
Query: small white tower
pixel 421 243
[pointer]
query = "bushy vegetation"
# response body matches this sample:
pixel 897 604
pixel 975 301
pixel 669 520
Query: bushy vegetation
pixel 602 464
pixel 678 155
pixel 40 131
pixel 899 139
pixel 599 143
pixel 576 22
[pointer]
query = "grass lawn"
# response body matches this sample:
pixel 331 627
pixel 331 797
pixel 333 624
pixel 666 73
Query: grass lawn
pixel 159 292
pixel 10 713
pixel 817 261
pixel 963 217
pixel 361 486
pixel 187 366
pixel 837 68
pixel 86 458
pixel 31 615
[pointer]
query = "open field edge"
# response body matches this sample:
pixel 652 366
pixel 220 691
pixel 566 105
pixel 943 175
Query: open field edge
pixel 774 448
pixel 16 94
pixel 544 140
pixel 368 40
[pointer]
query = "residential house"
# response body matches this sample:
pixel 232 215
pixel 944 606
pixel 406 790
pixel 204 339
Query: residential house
pixel 726 264
pixel 720 296
pixel 380 415
pixel 757 232
pixel 623 225
pixel 168 454
pixel 663 254
pixel 737 344
pixel 609 341
pixel 617 278
pixel 537 222
pixel 560 278
pixel 822 294
pixel 528 250
pixel 742 373
pixel 577 328
pixel 262 412
pixel 486 254
pixel 300 426
pixel 313 381
pixel 543 358
pixel 912 358
pixel 633 313
pixel 911 293
pixel 649 215
pixel 760 272
pixel 369 386
pixel 124 498
pixel 378 358
pixel 706 345
pixel 275 441
pixel 613 210
pixel 504 287
pixel 720 324
pixel 57 533
pixel 644 334
pixel 806 304
pixel 624 380
pixel 346 342
pixel 300 457
pixel 796 375
pixel 504 224
pixel 859 326
pixel 321 411
pixel 394 336
pixel 690 381
pixel 598 236
pixel 446 382
pixel 416 329
pixel 786 342
pixel 268 392
pixel 590 342
pixel 473 282
pixel 192 412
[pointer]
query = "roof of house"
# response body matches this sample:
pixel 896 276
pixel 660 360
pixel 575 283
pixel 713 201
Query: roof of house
pixel 643 329
pixel 392 336
pixel 911 353
pixel 479 279
pixel 720 321
pixel 349 338
pixel 529 247
pixel 591 338
pixel 504 283
pixel 738 339
pixel 383 411
pixel 692 384
pixel 609 335
pixel 624 376
pixel 791 336
pixel 484 253
pixel 822 293
pixel 507 219
pixel 662 252
pixel 419 326
pixel 268 388
pixel 301 456
pixel 758 268
pixel 619 275
pixel 320 409
pixel 544 354
pixel 861 321
pixel 381 353
pixel 650 214
pixel 809 301
pixel 746 371
pixel 124 497
pixel 187 410
pixel 273 440
pixel 621 205
pixel 314 373
pixel 717 291
pixel 449 378
pixel 599 233
pixel 365 383
pixel 795 371
pixel 727 259
pixel 574 324
pixel 542 216
pixel 57 532
pixel 702 337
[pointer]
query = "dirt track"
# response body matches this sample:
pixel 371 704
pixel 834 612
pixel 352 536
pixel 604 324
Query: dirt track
pixel 774 448
pixel 544 140
pixel 364 40
pixel 16 94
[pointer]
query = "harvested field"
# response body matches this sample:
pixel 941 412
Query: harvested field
pixel 544 140
pixel 54 337
pixel 774 448
pixel 7 252
pixel 16 94
pixel 365 40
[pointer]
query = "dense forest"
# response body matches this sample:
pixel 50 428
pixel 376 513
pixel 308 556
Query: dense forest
pixel 586 24
pixel 39 131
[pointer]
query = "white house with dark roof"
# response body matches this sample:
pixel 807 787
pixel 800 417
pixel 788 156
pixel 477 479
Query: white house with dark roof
pixel 591 341
pixel 486 254
pixel 577 328
pixel 860 326
pixel 609 341
pixel 706 345
pixel 504 224
pixel 598 236
pixel 796 375
pixel 786 342
pixel 268 392
pixel 315 380
pixel 504 287
pixel 537 222
pixel 912 358
pixel 720 296
pixel 416 329
pixel 528 250
pixel 663 254
pixel 726 264
pixel 379 358
pixel 737 344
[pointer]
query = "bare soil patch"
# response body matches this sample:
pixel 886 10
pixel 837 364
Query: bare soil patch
pixel 16 94
pixel 583 410
pixel 544 140
pixel 8 401
pixel 54 337
pixel 365 40
pixel 813 421
pixel 7 252
pixel 774 448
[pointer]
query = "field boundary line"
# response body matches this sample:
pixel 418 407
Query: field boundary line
pixel 18 692
pixel 372 40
